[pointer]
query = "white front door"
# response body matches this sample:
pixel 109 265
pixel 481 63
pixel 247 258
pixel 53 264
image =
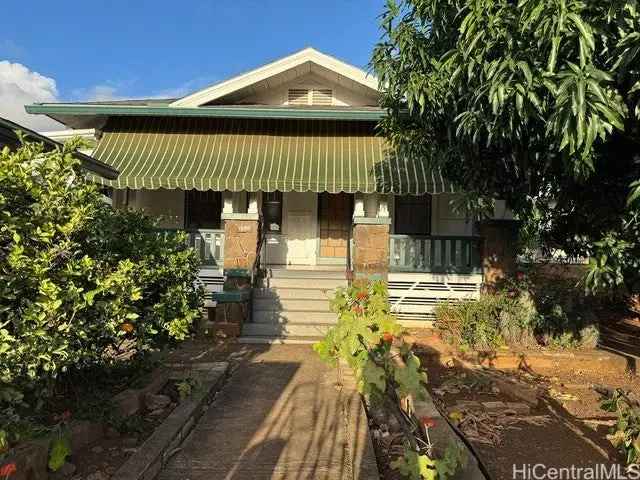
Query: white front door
pixel 300 227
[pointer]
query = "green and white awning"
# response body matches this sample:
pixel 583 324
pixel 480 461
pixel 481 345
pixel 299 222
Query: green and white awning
pixel 258 154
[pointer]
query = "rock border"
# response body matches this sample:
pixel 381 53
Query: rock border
pixel 153 454
pixel 443 433
pixel 362 456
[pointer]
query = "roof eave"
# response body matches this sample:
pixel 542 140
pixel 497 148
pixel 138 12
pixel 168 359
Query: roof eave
pixel 220 112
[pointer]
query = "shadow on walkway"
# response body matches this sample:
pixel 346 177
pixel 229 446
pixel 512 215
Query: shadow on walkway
pixel 282 415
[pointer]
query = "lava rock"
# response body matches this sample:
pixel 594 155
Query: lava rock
pixel 156 402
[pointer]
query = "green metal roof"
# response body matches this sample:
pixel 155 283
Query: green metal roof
pixel 258 154
pixel 236 111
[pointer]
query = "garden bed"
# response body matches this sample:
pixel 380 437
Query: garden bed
pixel 107 418
pixel 546 412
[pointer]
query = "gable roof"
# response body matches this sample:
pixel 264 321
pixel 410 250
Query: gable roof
pixel 307 56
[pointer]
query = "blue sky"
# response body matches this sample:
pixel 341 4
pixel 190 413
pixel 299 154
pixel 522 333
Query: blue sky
pixel 137 48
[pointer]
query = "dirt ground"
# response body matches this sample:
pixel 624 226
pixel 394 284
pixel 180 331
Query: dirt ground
pixel 100 460
pixel 552 414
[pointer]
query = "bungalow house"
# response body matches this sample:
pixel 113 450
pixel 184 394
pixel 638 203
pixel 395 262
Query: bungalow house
pixel 281 167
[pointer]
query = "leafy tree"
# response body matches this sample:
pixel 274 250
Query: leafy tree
pixel 533 101
pixel 78 279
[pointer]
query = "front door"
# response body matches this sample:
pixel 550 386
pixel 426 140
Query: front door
pixel 334 217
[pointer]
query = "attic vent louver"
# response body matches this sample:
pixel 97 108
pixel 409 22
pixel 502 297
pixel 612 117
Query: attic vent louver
pixel 322 96
pixel 302 96
pixel 298 96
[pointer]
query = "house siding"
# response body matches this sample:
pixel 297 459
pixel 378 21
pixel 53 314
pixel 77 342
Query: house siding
pixel 279 95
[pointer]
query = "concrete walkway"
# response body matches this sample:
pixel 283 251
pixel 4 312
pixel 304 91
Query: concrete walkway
pixel 282 415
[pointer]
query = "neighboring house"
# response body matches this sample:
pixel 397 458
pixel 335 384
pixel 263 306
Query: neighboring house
pixel 283 163
pixel 9 138
pixel 88 136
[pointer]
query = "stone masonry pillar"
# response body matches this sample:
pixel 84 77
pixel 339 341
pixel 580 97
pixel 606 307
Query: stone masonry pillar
pixel 371 248
pixel 498 249
pixel 240 240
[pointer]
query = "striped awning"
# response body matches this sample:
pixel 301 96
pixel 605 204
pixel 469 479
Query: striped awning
pixel 258 154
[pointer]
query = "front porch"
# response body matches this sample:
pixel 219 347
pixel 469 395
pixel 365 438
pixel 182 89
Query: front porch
pixel 315 232
pixel 303 230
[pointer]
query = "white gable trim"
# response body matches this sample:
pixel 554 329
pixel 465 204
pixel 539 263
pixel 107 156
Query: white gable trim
pixel 222 89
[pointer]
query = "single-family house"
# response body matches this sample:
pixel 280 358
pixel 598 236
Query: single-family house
pixel 282 168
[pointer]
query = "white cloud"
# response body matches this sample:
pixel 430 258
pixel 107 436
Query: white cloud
pixel 186 88
pixel 20 86
pixel 103 92
pixel 116 90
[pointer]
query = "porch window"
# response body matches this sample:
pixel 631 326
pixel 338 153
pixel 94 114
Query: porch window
pixel 202 209
pixel 272 211
pixel 412 215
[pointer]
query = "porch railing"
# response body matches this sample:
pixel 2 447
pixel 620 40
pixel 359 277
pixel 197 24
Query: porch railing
pixel 208 244
pixel 434 254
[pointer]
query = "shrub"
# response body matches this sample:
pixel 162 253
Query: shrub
pixel 625 435
pixel 525 311
pixel 368 338
pixel 487 323
pixel 565 315
pixel 78 279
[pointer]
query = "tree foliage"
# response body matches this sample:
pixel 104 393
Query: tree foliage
pixel 625 434
pixel 79 279
pixel 533 101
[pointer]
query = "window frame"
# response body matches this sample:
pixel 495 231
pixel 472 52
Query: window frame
pixel 188 209
pixel 420 201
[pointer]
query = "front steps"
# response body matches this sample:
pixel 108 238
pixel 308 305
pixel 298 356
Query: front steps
pixel 293 306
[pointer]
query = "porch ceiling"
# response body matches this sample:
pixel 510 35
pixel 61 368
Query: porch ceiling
pixel 258 154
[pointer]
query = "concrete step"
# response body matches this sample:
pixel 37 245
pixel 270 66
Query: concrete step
pixel 279 340
pixel 293 316
pixel 297 293
pixel 300 282
pixel 285 329
pixel 283 304
pixel 295 273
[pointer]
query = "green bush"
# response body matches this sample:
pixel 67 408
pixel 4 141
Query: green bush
pixel 79 281
pixel 526 311
pixel 625 434
pixel 369 339
pixel 487 323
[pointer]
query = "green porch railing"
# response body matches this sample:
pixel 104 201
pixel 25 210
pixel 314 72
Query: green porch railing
pixel 434 254
pixel 208 244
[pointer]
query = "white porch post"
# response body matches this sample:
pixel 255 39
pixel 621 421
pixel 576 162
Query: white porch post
pixel 358 206
pixel 227 205
pixel 383 206
pixel 254 198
